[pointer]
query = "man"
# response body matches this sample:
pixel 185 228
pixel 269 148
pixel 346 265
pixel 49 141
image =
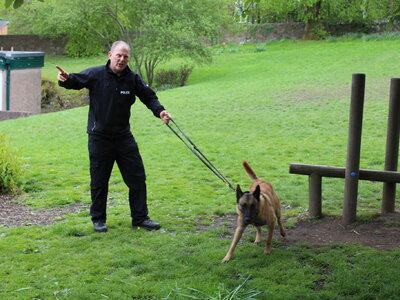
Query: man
pixel 112 90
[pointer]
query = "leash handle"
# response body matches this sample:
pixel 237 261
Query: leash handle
pixel 196 151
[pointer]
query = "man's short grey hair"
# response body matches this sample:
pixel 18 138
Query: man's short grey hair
pixel 118 43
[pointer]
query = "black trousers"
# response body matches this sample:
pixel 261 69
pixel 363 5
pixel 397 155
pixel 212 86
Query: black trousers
pixel 103 152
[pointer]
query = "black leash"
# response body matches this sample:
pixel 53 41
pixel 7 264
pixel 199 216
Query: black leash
pixel 192 147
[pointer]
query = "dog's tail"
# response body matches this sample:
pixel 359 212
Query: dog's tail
pixel 249 171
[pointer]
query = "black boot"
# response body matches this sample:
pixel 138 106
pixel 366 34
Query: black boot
pixel 148 225
pixel 100 226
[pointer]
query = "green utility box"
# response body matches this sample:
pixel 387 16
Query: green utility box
pixel 21 81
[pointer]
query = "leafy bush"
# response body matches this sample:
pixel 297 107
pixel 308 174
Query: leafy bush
pixel 55 98
pixel 166 78
pixel 10 168
pixel 171 78
pixel 319 32
pixel 49 92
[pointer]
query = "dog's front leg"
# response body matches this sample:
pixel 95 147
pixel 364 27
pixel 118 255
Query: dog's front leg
pixel 238 234
pixel 258 235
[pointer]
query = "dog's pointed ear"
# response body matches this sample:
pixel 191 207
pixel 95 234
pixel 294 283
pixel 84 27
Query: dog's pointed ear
pixel 256 193
pixel 239 193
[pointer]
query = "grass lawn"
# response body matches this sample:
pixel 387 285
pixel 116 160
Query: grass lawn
pixel 287 103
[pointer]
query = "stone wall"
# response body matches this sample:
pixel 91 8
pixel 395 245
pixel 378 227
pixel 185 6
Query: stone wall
pixel 8 115
pixel 32 43
pixel 295 30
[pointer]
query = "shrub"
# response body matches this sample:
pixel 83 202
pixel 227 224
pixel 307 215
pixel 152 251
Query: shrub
pixel 10 169
pixel 319 32
pixel 171 78
pixel 55 98
pixel 184 73
pixel 49 92
pixel 166 78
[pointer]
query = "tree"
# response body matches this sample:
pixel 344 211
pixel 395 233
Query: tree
pixel 393 12
pixel 311 14
pixel 247 9
pixel 15 3
pixel 156 30
pixel 316 13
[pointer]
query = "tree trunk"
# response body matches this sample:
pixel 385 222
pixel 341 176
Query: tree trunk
pixel 390 6
pixel 308 31
pixel 312 20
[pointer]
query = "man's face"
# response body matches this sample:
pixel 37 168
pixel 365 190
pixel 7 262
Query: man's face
pixel 119 59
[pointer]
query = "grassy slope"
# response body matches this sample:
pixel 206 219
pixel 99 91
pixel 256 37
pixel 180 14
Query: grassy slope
pixel 286 104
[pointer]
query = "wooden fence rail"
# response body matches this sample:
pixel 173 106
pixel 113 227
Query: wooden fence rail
pixel 316 172
pixel 351 173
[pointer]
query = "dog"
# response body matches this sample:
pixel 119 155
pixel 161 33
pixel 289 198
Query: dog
pixel 259 206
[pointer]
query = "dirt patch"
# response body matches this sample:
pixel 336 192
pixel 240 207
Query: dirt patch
pixel 380 231
pixel 14 214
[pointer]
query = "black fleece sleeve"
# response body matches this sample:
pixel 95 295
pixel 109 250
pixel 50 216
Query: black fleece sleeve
pixel 77 81
pixel 148 96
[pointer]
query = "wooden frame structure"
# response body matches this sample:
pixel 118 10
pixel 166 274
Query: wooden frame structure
pixel 352 173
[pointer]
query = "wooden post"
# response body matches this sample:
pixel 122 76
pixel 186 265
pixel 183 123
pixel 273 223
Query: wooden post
pixel 353 149
pixel 315 195
pixel 392 146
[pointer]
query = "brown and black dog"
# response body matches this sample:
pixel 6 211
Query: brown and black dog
pixel 259 206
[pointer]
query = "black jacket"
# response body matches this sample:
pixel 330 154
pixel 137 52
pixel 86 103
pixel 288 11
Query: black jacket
pixel 111 98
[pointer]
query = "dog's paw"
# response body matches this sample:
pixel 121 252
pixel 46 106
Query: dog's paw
pixel 226 259
pixel 267 251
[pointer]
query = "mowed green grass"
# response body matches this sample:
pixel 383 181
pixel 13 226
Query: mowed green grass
pixel 288 103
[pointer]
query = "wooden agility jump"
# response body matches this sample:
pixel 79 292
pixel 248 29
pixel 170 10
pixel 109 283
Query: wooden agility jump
pixel 352 172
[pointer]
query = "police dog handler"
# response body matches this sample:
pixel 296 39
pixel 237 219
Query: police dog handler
pixel 112 90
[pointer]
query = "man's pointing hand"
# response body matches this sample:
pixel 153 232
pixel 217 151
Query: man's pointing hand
pixel 62 75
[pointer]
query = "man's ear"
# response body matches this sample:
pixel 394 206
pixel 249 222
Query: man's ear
pixel 256 193
pixel 239 193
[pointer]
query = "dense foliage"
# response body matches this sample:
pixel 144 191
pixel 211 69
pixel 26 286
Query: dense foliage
pixel 170 78
pixel 156 30
pixel 10 168
pixel 264 11
pixel 316 13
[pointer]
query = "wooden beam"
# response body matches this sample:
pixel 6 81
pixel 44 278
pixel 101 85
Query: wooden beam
pixel 339 172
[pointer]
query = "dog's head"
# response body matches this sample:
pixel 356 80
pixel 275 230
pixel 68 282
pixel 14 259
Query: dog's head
pixel 248 203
